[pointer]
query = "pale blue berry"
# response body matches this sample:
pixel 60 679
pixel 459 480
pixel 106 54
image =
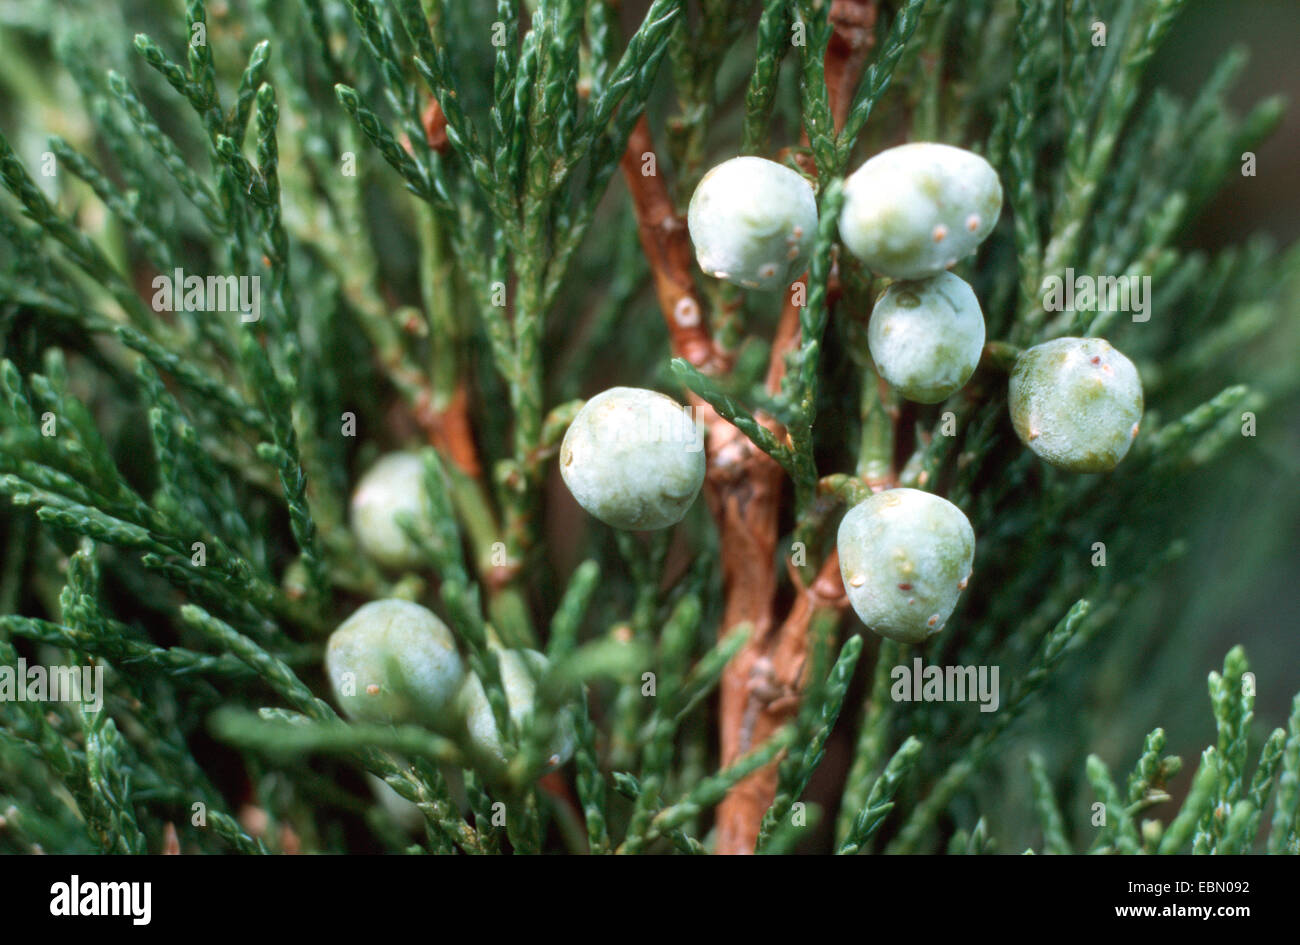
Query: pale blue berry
pixel 395 661
pixel 915 210
pixel 392 486
pixel 633 458
pixel 905 557
pixel 753 222
pixel 1076 402
pixel 518 669
pixel 926 336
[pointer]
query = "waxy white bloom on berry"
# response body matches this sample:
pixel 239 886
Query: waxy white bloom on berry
pixel 905 557
pixel 393 485
pixel 633 458
pixel 926 336
pixel 521 691
pixel 395 661
pixel 753 222
pixel 1076 402
pixel 915 210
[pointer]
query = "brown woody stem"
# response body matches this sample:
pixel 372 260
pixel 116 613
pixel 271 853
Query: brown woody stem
pixel 760 687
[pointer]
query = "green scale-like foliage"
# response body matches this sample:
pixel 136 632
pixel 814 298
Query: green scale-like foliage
pixel 179 480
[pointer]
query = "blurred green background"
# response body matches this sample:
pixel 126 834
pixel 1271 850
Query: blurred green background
pixel 1239 581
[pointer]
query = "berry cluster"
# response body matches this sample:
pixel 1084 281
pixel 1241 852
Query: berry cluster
pixel 910 214
pixel 394 661
pixel 634 458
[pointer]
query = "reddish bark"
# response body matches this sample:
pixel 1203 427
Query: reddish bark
pixel 449 429
pixel 667 246
pixel 760 687
pixel 435 126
